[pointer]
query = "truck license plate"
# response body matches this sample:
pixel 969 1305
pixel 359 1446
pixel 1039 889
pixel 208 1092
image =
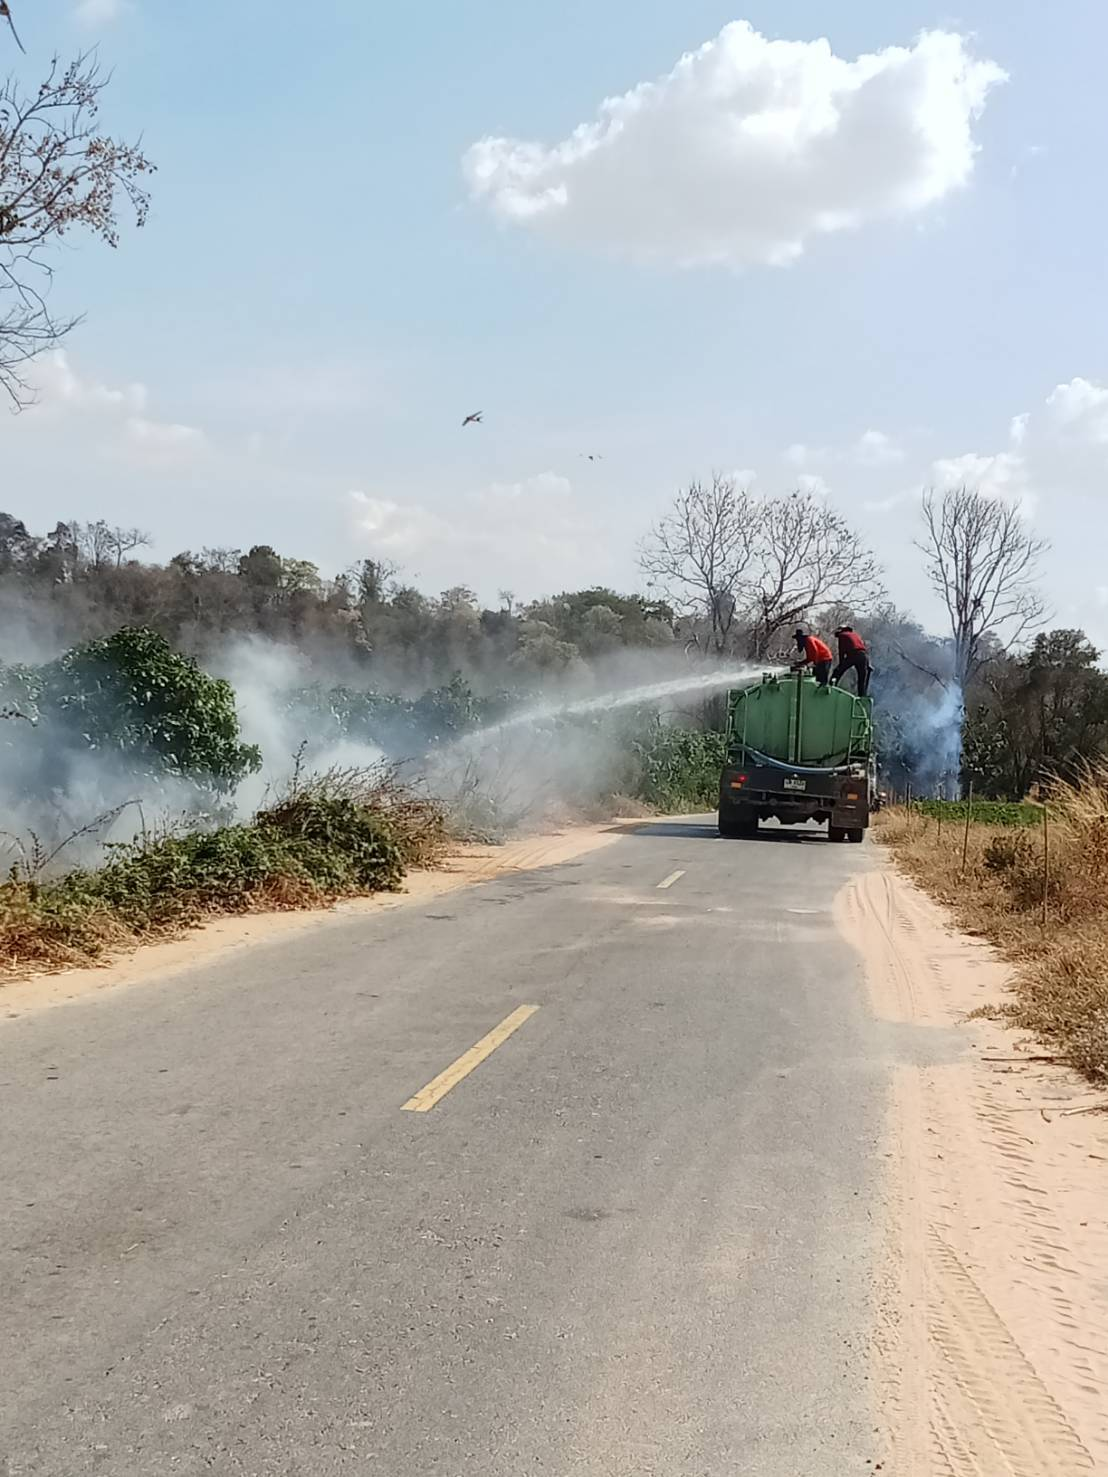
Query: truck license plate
pixel 796 784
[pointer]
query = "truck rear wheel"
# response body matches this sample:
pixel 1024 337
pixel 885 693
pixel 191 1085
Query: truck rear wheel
pixel 737 821
pixel 836 833
pixel 856 835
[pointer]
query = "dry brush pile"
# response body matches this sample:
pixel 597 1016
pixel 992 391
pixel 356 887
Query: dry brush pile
pixel 344 833
pixel 1040 894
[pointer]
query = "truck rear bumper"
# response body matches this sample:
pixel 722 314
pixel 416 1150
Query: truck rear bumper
pixel 762 795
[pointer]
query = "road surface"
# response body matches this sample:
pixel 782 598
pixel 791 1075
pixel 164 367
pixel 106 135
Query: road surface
pixel 634 1234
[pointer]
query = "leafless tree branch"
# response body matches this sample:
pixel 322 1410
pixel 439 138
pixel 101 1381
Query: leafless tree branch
pixel 983 563
pixel 755 565
pixel 58 174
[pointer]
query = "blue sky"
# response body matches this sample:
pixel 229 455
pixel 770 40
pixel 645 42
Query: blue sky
pixel 322 293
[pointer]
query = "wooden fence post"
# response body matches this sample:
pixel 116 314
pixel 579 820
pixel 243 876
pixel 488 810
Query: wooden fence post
pixel 965 839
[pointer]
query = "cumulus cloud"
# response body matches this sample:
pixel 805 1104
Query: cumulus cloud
pixel 748 150
pixel 1004 476
pixel 1058 448
pixel 114 418
pixel 875 449
pixel 1080 410
pixel 58 384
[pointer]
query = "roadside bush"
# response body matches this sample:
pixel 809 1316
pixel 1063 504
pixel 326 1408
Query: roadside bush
pixel 344 834
pixel 678 768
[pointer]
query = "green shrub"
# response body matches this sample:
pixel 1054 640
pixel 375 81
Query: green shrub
pixel 677 768
pixel 312 846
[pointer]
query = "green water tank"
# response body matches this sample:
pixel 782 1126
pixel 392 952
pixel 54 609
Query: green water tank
pixel 795 721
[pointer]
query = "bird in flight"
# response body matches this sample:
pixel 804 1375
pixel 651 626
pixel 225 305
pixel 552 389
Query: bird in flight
pixel 473 420
pixel 592 456
pixel 7 15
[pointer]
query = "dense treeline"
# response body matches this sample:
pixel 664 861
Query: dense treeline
pixel 396 665
pixel 85 580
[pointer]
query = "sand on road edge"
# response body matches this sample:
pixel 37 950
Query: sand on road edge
pixel 467 865
pixel 994 1300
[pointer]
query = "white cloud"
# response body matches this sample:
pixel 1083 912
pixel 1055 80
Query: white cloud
pixel 1003 475
pixel 508 495
pixel 875 449
pixel 108 419
pixel 748 149
pixel 58 384
pixel 532 534
pixel 1061 447
pixel 161 442
pixel 94 13
pixel 813 483
pixel 398 530
pixel 1080 409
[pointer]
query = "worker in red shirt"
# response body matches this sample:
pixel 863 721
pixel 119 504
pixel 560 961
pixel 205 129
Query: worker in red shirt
pixel 852 655
pixel 816 652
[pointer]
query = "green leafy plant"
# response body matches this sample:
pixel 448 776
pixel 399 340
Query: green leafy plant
pixel 983 812
pixel 133 694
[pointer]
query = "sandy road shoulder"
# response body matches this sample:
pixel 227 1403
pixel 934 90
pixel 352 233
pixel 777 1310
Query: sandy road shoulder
pixel 994 1300
pixel 468 866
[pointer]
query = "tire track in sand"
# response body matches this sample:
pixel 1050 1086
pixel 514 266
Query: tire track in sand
pixel 993 1348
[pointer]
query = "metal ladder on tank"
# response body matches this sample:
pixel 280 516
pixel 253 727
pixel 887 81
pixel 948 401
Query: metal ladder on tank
pixel 861 726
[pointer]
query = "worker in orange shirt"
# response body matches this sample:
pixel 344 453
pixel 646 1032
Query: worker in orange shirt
pixel 852 655
pixel 815 652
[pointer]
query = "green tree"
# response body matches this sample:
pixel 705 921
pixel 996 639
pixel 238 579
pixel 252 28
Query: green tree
pixel 131 693
pixel 1044 713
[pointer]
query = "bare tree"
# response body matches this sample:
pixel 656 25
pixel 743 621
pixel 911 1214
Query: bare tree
pixel 100 545
pixel 807 556
pixel 756 565
pixel 699 553
pixel 58 174
pixel 983 561
pixel 123 541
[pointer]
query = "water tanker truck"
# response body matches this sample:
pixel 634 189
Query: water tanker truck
pixel 798 752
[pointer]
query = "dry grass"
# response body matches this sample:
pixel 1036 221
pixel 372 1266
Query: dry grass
pixel 1060 949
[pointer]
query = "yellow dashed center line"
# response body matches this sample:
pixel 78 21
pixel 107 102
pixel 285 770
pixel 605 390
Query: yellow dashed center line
pixel 435 1091
pixel 670 880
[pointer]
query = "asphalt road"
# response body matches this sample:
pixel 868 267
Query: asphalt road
pixel 638 1237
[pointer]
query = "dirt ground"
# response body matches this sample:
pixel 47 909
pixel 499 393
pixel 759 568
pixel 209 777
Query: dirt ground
pixel 994 1348
pixel 466 865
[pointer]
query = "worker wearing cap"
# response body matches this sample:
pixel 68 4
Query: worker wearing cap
pixel 815 652
pixel 852 656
